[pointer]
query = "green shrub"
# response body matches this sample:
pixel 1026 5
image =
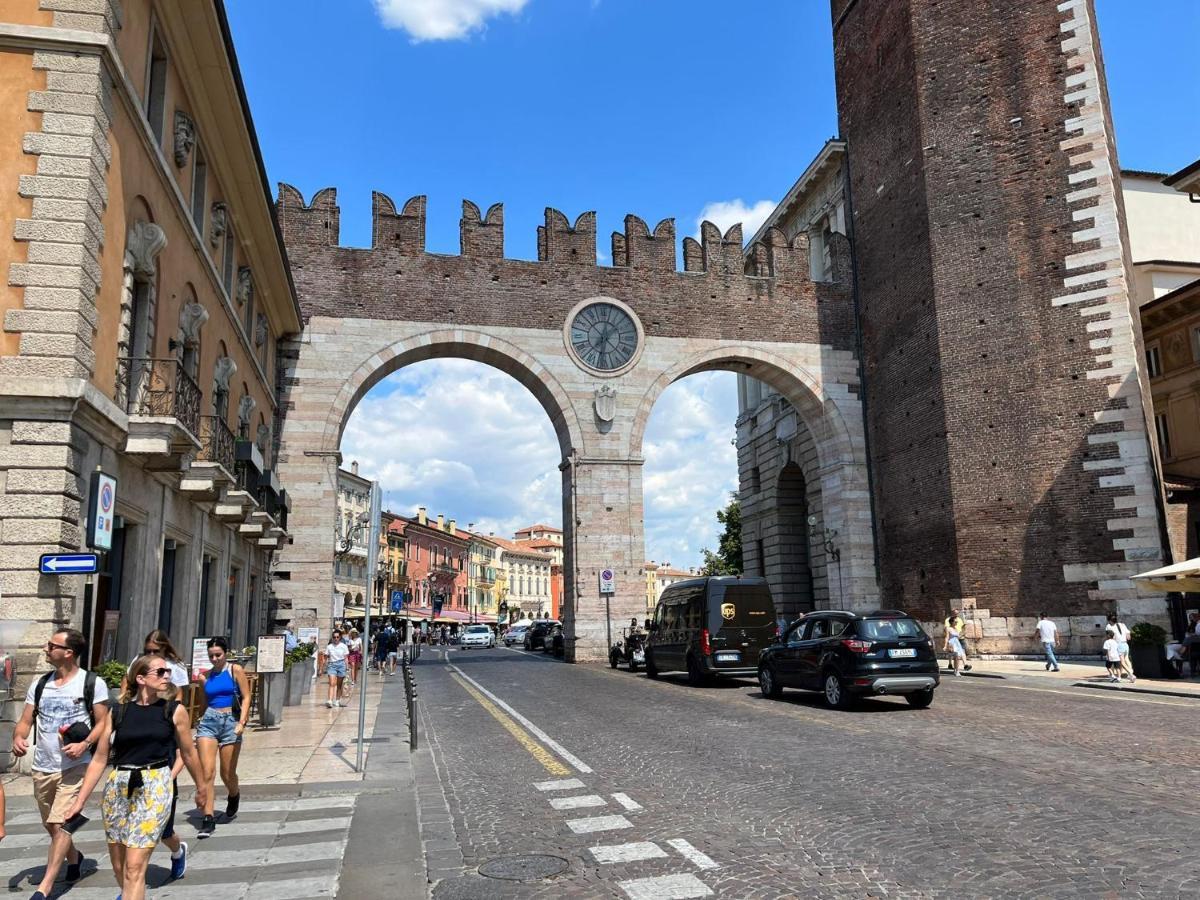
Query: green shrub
pixel 1146 633
pixel 112 672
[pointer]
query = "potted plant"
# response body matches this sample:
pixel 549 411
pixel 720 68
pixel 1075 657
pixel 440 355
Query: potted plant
pixel 1147 650
pixel 113 672
pixel 297 673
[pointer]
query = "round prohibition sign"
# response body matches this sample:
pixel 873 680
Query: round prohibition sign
pixel 106 498
pixel 607 574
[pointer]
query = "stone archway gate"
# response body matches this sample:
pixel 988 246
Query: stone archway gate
pixel 368 312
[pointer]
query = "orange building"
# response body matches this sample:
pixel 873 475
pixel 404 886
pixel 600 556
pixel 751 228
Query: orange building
pixel 145 298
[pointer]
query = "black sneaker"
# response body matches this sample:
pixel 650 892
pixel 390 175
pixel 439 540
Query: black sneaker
pixel 207 827
pixel 231 806
pixel 73 870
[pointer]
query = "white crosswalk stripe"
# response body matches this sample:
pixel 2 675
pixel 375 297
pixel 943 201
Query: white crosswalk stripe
pixel 598 823
pixel 692 855
pixel 622 853
pixel 581 802
pixel 665 887
pixel 268 854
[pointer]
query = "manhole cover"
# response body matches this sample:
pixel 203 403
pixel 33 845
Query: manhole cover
pixel 524 868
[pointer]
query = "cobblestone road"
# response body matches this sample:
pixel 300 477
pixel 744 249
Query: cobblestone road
pixel 998 790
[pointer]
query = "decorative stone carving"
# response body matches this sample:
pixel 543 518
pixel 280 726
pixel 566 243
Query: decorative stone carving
pixel 260 330
pixel 143 243
pixel 222 372
pixel 245 285
pixel 605 403
pixel 245 408
pixel 185 137
pixel 191 319
pixel 219 216
pixel 263 439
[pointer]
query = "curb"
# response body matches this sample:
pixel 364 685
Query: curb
pixel 1136 690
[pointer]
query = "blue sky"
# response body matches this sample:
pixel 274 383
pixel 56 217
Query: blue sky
pixel 663 108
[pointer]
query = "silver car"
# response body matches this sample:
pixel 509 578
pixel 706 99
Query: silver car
pixel 477 636
pixel 515 635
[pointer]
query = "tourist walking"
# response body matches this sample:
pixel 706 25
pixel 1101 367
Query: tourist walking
pixel 1112 655
pixel 356 656
pixel 953 643
pixel 393 649
pixel 68 708
pixel 149 727
pixel 219 732
pixel 1121 633
pixel 335 667
pixel 1047 632
pixel 954 620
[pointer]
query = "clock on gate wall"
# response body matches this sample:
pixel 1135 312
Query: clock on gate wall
pixel 604 336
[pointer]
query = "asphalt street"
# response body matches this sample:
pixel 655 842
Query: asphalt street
pixel 653 789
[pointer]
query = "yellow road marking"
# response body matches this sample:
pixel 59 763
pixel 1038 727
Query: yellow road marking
pixel 536 750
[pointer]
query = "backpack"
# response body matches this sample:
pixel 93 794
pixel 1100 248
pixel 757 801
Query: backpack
pixel 89 697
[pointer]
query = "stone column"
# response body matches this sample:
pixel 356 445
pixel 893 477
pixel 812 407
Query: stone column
pixel 606 532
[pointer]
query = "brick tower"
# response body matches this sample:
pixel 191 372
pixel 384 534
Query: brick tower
pixel 1009 444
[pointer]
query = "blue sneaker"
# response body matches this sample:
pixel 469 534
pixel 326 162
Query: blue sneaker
pixel 178 866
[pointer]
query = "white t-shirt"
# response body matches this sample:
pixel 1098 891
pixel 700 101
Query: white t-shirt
pixel 1112 650
pixel 337 652
pixel 1048 630
pixel 356 645
pixel 61 706
pixel 1122 632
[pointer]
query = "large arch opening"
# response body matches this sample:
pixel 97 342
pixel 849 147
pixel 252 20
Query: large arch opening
pixel 468 461
pixel 800 480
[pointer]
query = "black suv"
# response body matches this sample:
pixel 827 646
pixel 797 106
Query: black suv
pixel 847 655
pixel 538 633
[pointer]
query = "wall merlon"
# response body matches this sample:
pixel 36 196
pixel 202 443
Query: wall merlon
pixel 559 241
pixel 481 237
pixel 404 231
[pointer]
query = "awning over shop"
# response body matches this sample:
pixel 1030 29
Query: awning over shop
pixel 1184 576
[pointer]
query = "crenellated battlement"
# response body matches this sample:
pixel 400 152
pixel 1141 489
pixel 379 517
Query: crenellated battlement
pixel 481 236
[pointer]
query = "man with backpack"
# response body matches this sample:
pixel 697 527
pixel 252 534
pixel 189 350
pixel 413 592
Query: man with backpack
pixel 68 710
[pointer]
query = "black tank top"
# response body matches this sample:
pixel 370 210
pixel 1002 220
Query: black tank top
pixel 145 734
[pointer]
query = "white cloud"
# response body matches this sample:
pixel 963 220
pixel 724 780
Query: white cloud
pixel 443 20
pixel 464 439
pixel 727 213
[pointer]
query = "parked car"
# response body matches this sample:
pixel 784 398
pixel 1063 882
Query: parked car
pixel 515 635
pixel 477 636
pixel 847 655
pixel 711 626
pixel 537 633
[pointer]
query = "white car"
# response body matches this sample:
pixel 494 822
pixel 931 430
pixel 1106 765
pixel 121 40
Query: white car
pixel 514 635
pixel 477 636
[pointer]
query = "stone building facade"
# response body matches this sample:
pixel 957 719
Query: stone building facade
pixel 144 291
pixel 352 533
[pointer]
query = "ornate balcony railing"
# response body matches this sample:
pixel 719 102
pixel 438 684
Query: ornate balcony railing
pixel 159 388
pixel 216 442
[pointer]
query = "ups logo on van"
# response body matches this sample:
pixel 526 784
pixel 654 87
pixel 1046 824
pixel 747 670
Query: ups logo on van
pixel 728 610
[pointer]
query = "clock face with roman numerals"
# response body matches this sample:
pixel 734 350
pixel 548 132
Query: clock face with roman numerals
pixel 603 336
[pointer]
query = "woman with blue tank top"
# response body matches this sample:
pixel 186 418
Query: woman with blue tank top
pixel 227 693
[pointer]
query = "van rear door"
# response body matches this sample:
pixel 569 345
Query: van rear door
pixel 741 622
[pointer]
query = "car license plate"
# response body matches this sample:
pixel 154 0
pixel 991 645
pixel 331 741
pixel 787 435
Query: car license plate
pixel 902 654
pixel 728 657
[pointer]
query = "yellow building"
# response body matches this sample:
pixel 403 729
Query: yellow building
pixel 144 297
pixel 482 575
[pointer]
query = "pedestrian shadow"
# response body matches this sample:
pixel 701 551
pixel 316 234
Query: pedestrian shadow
pixel 28 878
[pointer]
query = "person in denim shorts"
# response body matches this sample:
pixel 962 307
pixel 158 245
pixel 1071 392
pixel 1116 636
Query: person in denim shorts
pixel 335 667
pixel 227 691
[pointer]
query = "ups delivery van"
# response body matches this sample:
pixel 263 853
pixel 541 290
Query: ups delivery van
pixel 711 626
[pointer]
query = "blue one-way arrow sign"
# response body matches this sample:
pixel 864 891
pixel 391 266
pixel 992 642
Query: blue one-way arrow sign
pixel 68 563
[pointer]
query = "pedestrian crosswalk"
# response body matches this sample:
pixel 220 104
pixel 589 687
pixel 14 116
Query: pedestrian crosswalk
pixel 277 849
pixel 671 886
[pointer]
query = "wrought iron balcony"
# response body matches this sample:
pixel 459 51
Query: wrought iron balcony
pixel 216 442
pixel 159 388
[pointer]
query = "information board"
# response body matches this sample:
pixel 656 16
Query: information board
pixel 200 663
pixel 270 653
pixel 308 635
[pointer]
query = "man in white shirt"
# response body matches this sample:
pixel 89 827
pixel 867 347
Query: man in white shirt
pixel 1047 633
pixel 67 729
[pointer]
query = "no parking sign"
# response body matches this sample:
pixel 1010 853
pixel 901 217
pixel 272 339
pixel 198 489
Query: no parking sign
pixel 102 505
pixel 608 581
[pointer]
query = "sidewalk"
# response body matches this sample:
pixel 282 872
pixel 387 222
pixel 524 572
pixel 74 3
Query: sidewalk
pixel 312 744
pixel 1080 673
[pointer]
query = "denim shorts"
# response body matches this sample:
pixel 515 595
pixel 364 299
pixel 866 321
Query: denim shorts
pixel 218 726
pixel 336 667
